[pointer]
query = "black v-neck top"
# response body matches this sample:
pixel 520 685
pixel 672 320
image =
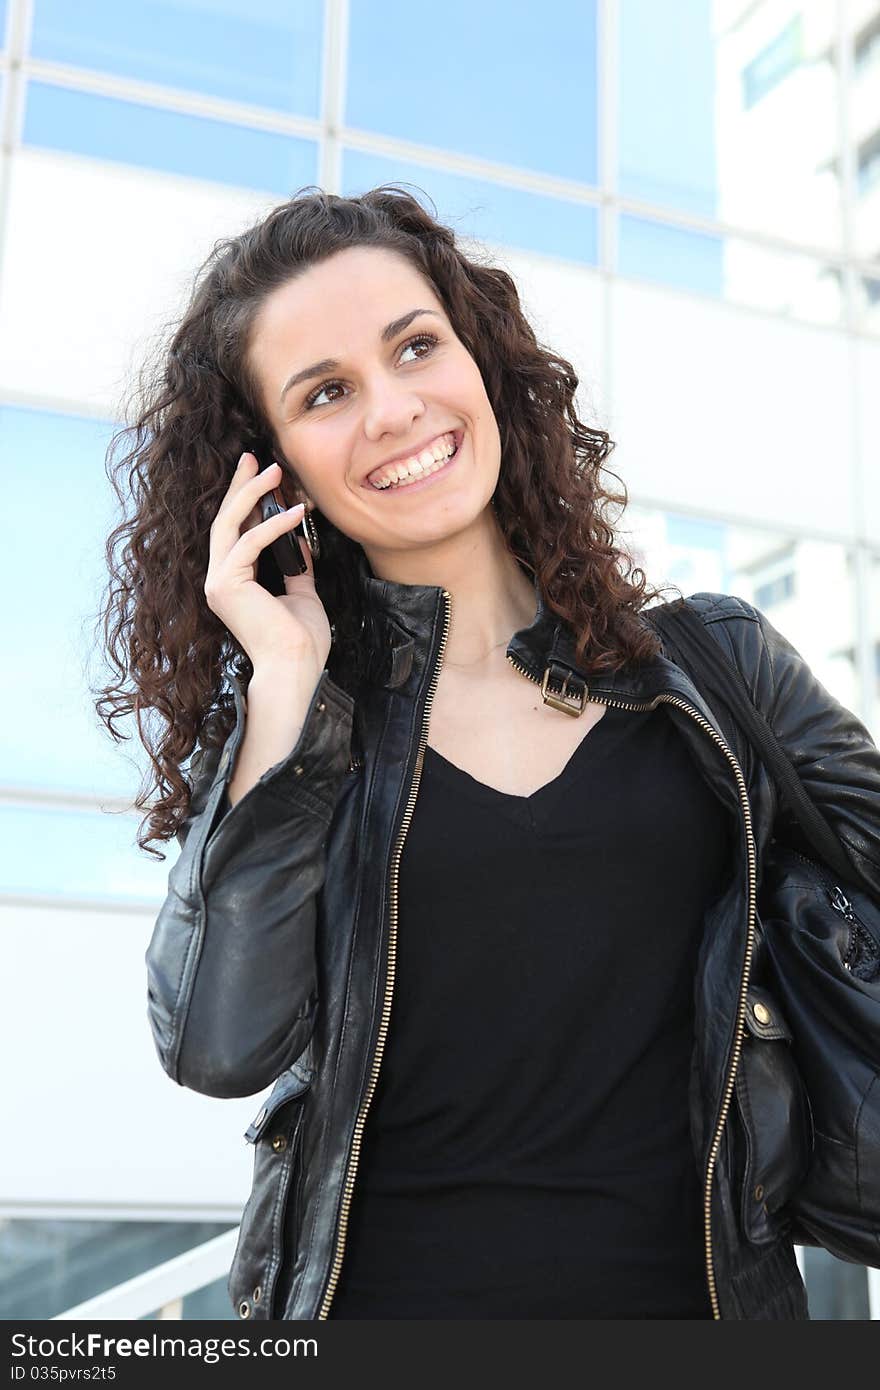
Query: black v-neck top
pixel 527 1151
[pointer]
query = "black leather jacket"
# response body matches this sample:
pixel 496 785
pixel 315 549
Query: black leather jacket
pixel 272 958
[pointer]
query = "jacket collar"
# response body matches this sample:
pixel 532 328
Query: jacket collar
pixel 401 620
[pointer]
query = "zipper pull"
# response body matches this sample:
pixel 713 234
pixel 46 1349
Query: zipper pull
pixel 840 902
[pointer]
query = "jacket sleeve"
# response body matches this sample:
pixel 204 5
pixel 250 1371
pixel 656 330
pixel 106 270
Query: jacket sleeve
pixel 231 961
pixel 833 752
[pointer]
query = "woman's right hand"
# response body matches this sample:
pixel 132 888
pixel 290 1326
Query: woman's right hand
pixel 292 626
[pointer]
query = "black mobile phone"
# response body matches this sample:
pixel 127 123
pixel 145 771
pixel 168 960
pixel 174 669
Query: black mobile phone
pixel 284 555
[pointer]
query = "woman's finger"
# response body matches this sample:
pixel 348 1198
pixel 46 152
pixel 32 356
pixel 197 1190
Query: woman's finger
pixel 241 501
pixel 254 539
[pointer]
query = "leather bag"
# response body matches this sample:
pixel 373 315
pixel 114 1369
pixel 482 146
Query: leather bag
pixel 820 941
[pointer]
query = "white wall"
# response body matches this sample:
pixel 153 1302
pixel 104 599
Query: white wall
pixel 92 1125
pixel 112 270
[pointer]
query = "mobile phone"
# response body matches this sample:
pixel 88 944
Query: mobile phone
pixel 286 554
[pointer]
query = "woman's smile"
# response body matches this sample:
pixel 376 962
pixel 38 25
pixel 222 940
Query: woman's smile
pixel 435 469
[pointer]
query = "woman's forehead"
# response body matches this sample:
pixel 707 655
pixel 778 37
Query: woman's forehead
pixel 339 302
pixel 362 270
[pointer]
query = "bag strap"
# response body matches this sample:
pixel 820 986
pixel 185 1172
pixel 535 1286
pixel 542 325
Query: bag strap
pixel 716 675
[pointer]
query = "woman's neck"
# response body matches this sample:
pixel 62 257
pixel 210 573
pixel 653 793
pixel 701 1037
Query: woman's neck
pixel 492 596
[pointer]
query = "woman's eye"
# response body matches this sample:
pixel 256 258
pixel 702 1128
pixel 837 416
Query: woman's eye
pixel 312 399
pixel 422 338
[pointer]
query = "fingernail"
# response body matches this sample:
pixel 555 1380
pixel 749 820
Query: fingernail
pixel 242 459
pixel 297 506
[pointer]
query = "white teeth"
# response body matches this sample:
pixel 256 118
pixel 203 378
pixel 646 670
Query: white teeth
pixel 420 466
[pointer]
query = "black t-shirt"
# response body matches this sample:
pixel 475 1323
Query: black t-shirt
pixel 527 1151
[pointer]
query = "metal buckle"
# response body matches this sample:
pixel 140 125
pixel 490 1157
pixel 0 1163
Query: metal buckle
pixel 570 702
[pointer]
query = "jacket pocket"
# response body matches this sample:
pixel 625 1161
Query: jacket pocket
pixel 776 1119
pixel 275 1133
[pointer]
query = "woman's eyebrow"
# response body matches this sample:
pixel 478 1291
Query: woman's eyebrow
pixel 330 364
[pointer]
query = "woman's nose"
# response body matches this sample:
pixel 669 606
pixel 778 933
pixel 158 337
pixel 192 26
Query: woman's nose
pixel 391 410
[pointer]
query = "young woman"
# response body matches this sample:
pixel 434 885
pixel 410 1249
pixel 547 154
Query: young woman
pixel 468 867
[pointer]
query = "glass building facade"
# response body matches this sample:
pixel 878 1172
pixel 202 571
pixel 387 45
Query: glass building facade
pixel 688 196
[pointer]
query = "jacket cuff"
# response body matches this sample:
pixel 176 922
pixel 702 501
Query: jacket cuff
pixel 314 768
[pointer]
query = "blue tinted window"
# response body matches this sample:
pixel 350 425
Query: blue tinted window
pixel 58 509
pixel 266 52
pixel 696 532
pixel 107 128
pixel 476 208
pixel 775 590
pixel 669 255
pixel 79 854
pixel 3 18
pixel 774 63
pixel 868 172
pixel 666 105
pixel 696 553
pixel 867 47
pixel 52 1265
pixel 506 80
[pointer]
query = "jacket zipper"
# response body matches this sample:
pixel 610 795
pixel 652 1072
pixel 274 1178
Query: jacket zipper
pixel 354 1155
pixel 740 1031
pixel 841 903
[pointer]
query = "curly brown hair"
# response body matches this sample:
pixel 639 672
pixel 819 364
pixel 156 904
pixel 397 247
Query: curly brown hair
pixel 197 405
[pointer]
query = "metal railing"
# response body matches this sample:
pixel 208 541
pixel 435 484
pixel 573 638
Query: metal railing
pixel 162 1289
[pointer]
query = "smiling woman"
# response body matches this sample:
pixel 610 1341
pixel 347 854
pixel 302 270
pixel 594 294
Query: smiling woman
pixel 386 409
pixel 349 339
pixel 453 770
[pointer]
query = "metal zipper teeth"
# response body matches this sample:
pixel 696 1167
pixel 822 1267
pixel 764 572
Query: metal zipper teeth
pixel 821 871
pixel 860 933
pixel 747 959
pixel 354 1155
pixel 841 903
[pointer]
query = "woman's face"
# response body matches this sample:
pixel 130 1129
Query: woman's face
pixel 401 383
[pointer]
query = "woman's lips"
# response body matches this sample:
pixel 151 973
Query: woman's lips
pixel 431 478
